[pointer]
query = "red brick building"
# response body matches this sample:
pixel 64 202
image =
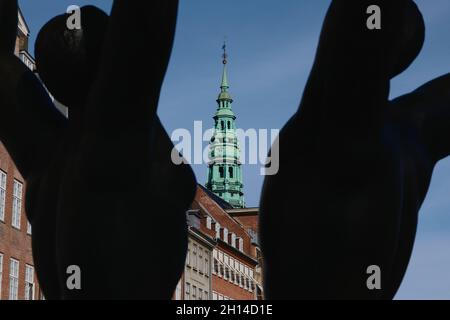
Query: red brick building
pixel 18 280
pixel 235 261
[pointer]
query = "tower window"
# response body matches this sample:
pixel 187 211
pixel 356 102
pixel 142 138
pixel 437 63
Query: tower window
pixel 221 172
pixel 222 125
pixel 229 125
pixel 230 172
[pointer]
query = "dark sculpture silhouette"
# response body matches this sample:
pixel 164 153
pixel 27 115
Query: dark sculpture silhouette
pixel 101 187
pixel 354 166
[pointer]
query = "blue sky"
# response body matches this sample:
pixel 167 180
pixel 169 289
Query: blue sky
pixel 271 46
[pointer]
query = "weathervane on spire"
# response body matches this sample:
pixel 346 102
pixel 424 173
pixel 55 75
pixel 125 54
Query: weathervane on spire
pixel 225 55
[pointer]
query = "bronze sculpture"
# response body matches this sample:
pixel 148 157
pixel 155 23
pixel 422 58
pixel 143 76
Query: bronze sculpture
pixel 354 166
pixel 84 212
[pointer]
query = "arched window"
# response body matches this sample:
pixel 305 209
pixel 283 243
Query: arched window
pixel 229 125
pixel 221 172
pixel 222 125
pixel 230 172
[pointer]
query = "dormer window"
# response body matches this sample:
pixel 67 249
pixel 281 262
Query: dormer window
pixel 241 244
pixel 217 231
pixel 225 235
pixel 233 240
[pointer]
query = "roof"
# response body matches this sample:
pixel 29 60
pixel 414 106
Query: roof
pixel 23 26
pixel 222 203
pixel 236 212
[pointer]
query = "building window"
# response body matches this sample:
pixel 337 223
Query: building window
pixel 241 244
pixel 217 231
pixel 200 261
pixel 222 125
pixel 225 235
pixel 215 269
pixel 200 294
pixel 1 274
pixel 221 270
pixel 188 291
pixel 17 204
pixel 178 291
pixel 209 223
pixel 227 273
pixel 206 296
pixel 194 256
pixel 236 278
pixel 233 240
pixel 29 283
pixel 207 267
pixel 29 228
pixel 232 278
pixel 216 266
pixel 14 280
pixel 194 293
pixel 188 257
pixel 2 195
pixel 229 125
pixel 221 172
pixel 215 296
pixel 230 172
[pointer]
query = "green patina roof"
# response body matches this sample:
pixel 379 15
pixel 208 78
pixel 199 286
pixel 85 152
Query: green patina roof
pixel 225 96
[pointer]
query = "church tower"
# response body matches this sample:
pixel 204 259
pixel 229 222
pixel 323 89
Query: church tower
pixel 224 168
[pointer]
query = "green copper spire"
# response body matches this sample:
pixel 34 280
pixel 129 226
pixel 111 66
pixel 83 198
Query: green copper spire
pixel 224 168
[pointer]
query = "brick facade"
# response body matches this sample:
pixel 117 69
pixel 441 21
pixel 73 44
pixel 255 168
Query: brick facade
pixel 235 267
pixel 14 243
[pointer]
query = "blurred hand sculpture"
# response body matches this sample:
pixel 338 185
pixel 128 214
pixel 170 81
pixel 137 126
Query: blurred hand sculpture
pixel 84 211
pixel 354 166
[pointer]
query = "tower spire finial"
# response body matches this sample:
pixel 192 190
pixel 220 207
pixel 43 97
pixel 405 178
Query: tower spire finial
pixel 225 55
pixel 224 86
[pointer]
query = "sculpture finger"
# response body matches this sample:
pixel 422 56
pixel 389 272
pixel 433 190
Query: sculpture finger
pixel 126 92
pixel 427 109
pixel 362 46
